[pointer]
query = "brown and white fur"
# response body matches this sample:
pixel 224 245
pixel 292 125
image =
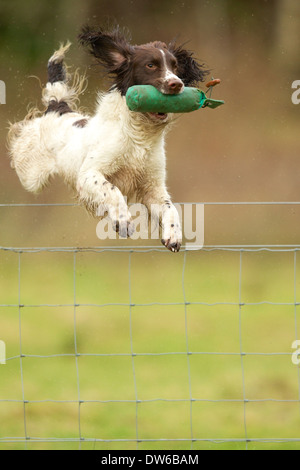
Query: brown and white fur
pixel 115 155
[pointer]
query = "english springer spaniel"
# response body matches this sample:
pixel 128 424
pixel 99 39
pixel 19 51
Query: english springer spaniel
pixel 115 155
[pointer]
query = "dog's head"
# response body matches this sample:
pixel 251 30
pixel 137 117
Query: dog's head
pixel 169 68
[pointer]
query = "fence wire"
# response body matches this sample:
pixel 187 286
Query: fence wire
pixel 191 439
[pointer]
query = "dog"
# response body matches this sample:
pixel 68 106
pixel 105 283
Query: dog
pixel 115 155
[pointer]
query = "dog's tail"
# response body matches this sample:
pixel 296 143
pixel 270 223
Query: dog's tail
pixel 33 165
pixel 58 95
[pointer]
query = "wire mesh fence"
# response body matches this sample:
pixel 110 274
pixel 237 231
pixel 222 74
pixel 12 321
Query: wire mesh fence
pixel 133 347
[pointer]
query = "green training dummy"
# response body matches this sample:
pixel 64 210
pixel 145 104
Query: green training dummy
pixel 147 99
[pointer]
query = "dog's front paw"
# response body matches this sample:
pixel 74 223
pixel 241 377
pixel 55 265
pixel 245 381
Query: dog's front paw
pixel 172 246
pixel 125 228
pixel 172 238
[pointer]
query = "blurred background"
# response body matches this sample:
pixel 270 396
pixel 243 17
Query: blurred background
pixel 246 150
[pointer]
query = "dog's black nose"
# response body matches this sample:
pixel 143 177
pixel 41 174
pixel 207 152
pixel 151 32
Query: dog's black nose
pixel 175 85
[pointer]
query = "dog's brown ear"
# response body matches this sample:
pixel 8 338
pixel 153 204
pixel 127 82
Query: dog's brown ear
pixel 190 70
pixel 111 48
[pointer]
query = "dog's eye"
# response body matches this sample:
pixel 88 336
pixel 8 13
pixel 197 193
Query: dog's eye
pixel 150 66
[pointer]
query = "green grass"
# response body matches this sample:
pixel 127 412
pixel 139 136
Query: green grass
pixel 107 379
